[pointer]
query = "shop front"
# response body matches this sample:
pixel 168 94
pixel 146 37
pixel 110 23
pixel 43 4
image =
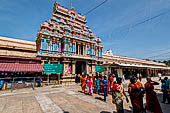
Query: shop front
pixel 14 75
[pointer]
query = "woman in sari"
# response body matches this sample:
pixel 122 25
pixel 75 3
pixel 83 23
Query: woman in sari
pixel 101 84
pixel 141 92
pixel 90 86
pixel 111 83
pixel 117 95
pixel 97 85
pixel 152 103
pixel 134 96
pixel 83 83
pixel 108 88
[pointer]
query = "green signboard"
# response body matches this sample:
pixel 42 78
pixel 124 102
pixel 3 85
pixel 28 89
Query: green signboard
pixel 53 68
pixel 99 68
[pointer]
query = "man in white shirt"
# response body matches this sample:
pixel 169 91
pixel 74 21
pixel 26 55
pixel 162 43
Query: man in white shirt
pixel 160 75
pixel 138 75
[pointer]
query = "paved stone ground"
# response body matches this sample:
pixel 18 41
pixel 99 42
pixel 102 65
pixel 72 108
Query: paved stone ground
pixel 65 99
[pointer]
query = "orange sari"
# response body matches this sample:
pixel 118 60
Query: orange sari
pixel 83 84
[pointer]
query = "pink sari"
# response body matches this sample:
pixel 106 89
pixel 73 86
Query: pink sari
pixel 90 87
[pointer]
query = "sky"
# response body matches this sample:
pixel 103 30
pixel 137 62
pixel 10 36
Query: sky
pixel 113 22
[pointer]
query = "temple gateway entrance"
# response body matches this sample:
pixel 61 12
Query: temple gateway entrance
pixel 80 67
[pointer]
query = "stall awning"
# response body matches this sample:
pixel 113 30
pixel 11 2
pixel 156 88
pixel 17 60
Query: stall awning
pixel 14 67
pixel 143 66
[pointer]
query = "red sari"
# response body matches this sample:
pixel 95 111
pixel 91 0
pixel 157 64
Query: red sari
pixel 152 103
pixel 111 83
pixel 135 99
pixel 101 86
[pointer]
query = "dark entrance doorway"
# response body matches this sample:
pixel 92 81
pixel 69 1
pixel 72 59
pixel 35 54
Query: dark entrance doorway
pixel 80 67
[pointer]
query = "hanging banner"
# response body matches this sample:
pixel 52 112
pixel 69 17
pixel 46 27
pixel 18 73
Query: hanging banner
pixel 99 68
pixel 53 68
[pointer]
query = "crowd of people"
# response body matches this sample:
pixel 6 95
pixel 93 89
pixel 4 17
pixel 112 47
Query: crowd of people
pixel 114 85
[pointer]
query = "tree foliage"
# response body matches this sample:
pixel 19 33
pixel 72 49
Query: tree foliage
pixel 167 62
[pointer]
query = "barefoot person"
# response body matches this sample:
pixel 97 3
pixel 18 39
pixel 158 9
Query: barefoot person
pixel 83 83
pixel 90 86
pixel 101 84
pixel 152 103
pixel 141 91
pixel 105 85
pixel 97 85
pixel 117 95
pixel 111 79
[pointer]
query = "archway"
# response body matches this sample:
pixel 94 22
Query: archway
pixel 80 67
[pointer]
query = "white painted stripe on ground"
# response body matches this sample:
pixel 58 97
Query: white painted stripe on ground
pixel 47 105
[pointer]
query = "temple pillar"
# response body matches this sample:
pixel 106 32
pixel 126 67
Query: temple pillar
pixel 83 49
pixel 93 68
pixel 87 68
pixel 147 72
pixel 110 69
pixel 72 50
pixel 78 49
pixel 153 72
pixel 65 68
pixel 75 47
pixel 73 67
pixel 59 46
pixel 86 49
pixel 106 69
pixel 91 50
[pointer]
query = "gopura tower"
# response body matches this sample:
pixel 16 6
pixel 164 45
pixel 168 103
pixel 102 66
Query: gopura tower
pixel 66 39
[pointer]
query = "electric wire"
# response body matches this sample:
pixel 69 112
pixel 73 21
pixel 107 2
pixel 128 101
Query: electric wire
pixel 135 25
pixel 96 7
pixel 159 55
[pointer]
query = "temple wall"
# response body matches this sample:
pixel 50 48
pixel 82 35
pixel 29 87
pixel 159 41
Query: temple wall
pixel 17 53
